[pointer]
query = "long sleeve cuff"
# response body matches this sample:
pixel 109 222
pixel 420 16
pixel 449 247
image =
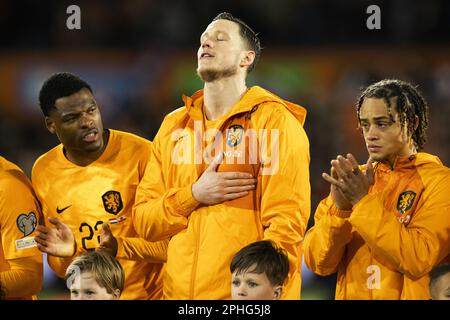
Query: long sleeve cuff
pixel 339 213
pixel 185 201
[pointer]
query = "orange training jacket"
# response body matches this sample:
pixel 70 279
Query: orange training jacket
pixel 385 247
pixel 205 238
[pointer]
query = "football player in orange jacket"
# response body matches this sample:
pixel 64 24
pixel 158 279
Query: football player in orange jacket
pixel 257 187
pixel 386 224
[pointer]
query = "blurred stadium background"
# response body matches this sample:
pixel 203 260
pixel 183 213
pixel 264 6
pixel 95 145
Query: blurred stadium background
pixel 140 57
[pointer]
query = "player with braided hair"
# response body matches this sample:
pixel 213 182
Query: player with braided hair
pixel 384 225
pixel 410 105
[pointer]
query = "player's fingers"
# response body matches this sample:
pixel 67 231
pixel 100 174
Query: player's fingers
pixel 345 165
pixel 42 229
pixel 41 247
pixel 240 182
pixel 40 241
pixel 235 175
pixel 333 181
pixel 369 170
pixel 333 173
pixel 106 230
pixel 54 221
pixel 239 188
pixel 102 248
pixel 215 163
pixel 231 196
pixel 61 226
pixel 337 167
pixel 355 166
pixel 41 235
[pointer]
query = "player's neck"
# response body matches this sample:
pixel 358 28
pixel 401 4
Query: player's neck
pixel 84 158
pixel 405 153
pixel 221 95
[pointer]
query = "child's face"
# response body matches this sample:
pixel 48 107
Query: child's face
pixel 84 287
pixel 253 286
pixel 441 289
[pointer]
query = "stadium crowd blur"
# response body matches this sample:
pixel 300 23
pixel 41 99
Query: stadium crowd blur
pixel 140 57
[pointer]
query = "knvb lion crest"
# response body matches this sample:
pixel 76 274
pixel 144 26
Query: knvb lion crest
pixel 112 202
pixel 234 135
pixel 405 201
pixel 26 223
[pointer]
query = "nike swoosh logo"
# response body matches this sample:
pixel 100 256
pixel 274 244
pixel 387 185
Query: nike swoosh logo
pixel 61 210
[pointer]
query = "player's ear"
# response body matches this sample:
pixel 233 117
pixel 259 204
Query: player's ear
pixel 277 291
pixel 116 294
pixel 50 124
pixel 248 58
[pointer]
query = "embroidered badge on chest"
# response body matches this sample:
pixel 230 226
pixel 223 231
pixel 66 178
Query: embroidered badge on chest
pixel 405 201
pixel 234 135
pixel 112 202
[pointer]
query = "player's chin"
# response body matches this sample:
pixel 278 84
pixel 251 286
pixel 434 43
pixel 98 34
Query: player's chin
pixel 203 72
pixel 92 146
pixel 377 156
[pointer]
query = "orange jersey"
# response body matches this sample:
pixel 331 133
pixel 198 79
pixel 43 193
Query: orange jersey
pixel 205 238
pixel 103 192
pixel 386 246
pixel 19 216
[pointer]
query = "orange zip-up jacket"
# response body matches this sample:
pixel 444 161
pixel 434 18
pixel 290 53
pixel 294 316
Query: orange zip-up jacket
pixel 387 244
pixel 205 238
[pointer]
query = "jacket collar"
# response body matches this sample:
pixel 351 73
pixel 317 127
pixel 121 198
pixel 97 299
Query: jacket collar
pixel 253 97
pixel 409 162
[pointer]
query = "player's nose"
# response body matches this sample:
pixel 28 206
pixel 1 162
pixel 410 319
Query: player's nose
pixel 241 291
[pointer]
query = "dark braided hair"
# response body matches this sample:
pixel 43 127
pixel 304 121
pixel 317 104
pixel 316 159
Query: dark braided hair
pixel 408 102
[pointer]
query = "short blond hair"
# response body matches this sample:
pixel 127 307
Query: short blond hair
pixel 107 271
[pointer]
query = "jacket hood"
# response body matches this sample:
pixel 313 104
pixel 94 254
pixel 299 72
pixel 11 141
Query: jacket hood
pixel 251 99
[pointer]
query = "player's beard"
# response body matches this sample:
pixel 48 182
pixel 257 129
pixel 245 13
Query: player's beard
pixel 211 75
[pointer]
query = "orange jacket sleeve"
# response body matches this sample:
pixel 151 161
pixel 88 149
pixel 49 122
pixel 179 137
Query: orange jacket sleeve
pixel 325 242
pixel 139 249
pixel 285 192
pixel 24 277
pixel 159 213
pixel 413 249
